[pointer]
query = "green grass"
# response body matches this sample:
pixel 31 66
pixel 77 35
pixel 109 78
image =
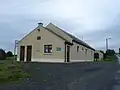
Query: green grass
pixel 11 58
pixel 110 59
pixel 10 72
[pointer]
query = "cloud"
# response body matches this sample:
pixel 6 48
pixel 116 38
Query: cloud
pixel 92 19
pixel 97 38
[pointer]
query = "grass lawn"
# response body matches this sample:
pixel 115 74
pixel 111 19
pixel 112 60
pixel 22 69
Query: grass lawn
pixel 11 58
pixel 109 58
pixel 11 71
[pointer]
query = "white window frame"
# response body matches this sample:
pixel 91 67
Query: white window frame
pixel 44 49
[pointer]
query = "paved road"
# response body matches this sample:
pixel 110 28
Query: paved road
pixel 116 81
pixel 77 76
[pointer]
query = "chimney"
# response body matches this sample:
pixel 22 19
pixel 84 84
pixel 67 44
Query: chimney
pixel 40 24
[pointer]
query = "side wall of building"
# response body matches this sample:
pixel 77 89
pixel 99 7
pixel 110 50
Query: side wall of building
pixel 47 38
pixel 82 54
pixel 100 54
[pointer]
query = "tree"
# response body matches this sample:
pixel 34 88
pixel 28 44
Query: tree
pixel 110 52
pixel 2 54
pixel 9 54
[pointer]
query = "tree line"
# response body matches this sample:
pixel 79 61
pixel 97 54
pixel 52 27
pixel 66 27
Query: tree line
pixel 4 55
pixel 109 52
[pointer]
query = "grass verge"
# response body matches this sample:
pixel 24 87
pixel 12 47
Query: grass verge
pixel 110 59
pixel 10 72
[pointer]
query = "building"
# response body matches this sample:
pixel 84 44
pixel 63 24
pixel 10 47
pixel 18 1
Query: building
pixel 52 44
pixel 99 54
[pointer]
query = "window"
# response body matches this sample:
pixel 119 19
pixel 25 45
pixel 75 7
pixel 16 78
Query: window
pixel 77 48
pixel 47 48
pixel 38 37
pixel 82 48
pixel 86 51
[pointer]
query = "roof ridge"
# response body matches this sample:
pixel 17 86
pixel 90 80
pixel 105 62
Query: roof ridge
pixel 73 37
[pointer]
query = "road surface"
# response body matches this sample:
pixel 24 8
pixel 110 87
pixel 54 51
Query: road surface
pixel 116 81
pixel 74 76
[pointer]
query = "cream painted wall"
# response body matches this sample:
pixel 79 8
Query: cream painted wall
pixel 81 55
pixel 47 37
pixel 101 56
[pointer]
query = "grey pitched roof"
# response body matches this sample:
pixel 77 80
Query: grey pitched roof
pixel 75 39
pixel 78 40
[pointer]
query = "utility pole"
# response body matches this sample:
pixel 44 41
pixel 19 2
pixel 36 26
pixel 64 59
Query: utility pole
pixel 107 43
pixel 16 42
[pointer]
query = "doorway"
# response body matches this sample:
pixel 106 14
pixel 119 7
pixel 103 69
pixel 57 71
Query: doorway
pixel 29 53
pixel 68 53
pixel 22 53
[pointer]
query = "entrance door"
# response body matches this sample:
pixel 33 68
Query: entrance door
pixel 29 53
pixel 22 53
pixel 68 53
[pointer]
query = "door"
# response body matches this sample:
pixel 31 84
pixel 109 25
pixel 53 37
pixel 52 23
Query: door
pixel 22 53
pixel 68 53
pixel 29 53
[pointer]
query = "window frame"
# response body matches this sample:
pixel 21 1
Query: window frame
pixel 48 46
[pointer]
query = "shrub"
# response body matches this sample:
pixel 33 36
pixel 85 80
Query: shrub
pixel 2 54
pixel 110 52
pixel 9 54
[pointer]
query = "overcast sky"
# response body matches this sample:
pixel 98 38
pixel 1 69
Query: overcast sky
pixel 94 20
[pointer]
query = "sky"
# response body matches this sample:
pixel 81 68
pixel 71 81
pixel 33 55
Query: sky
pixel 90 20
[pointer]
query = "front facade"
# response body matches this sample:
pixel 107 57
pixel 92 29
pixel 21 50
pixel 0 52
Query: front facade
pixel 51 44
